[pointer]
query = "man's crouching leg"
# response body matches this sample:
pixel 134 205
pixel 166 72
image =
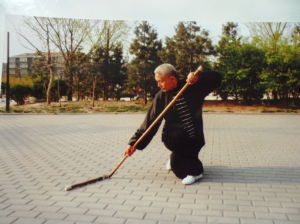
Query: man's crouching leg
pixel 187 166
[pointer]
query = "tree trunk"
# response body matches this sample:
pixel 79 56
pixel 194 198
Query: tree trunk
pixel 50 66
pixel 78 95
pixel 145 90
pixel 70 89
pixel 275 96
pixel 49 85
pixel 145 97
pixel 58 92
pixel 93 92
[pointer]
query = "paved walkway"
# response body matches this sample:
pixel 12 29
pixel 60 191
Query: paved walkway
pixel 252 172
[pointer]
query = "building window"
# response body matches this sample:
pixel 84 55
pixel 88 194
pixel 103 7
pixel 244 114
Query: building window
pixel 23 59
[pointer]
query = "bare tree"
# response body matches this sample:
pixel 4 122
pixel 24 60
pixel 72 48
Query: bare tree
pixel 41 29
pixel 270 33
pixel 69 35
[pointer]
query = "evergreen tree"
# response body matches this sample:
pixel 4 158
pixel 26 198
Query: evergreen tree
pixel 145 49
pixel 118 71
pixel 188 48
pixel 81 69
pixel 227 65
pixel 108 71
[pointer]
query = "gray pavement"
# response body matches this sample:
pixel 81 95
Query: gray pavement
pixel 251 174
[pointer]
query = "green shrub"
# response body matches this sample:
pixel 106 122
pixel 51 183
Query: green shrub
pixel 3 87
pixel 38 90
pixel 19 93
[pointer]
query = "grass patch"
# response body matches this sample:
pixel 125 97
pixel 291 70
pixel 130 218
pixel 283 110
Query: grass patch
pixel 209 111
pixel 112 109
pixel 18 111
pixel 271 111
pixel 292 111
pixel 61 109
pixel 126 109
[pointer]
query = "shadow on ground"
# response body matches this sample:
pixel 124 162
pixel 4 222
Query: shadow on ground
pixel 275 174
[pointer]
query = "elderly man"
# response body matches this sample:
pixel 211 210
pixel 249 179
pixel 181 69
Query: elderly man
pixel 183 129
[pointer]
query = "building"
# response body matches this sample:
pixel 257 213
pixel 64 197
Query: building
pixel 4 68
pixel 22 64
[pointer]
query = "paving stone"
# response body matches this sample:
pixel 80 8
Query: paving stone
pixel 222 220
pixel 29 221
pixel 67 204
pixel 255 221
pixel 97 205
pixel 285 222
pixel 182 211
pixel 270 216
pixel 284 210
pixel 253 208
pixel 110 220
pixel 160 217
pixel 223 207
pixel 25 214
pixel 238 214
pixel 148 209
pixel 58 222
pixel 251 173
pixel 165 205
pixel 204 212
pixel 7 220
pixel 101 212
pixel 138 221
pixel 168 222
pixel 190 218
pixel 128 214
pixel 73 210
pixel 84 218
pixel 51 215
pixel 120 207
pixel 294 217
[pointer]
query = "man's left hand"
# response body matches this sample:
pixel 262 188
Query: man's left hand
pixel 192 78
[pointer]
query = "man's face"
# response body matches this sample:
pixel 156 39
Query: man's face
pixel 166 83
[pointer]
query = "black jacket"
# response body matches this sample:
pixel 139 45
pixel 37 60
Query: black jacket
pixel 183 121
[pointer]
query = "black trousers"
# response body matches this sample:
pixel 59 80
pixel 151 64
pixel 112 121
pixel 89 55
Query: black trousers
pixel 185 160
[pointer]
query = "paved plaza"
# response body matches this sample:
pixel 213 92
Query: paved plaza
pixel 252 172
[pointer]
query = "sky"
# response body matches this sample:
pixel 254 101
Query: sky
pixel 162 14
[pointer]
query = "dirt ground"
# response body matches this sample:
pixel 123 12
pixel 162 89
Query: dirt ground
pixel 219 106
pixel 138 106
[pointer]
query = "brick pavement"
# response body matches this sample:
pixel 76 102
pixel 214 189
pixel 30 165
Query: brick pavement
pixel 251 164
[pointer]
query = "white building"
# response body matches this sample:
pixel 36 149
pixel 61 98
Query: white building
pixel 22 64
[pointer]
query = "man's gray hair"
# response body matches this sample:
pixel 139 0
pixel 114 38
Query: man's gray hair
pixel 165 69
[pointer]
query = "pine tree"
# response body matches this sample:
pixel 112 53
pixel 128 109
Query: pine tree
pixel 144 48
pixel 188 48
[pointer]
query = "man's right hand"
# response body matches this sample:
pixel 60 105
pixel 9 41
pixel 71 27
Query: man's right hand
pixel 129 150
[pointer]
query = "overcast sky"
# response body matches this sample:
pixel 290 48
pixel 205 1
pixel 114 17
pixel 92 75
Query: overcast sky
pixel 162 14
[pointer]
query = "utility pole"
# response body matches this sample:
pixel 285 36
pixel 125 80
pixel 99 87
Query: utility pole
pixel 7 77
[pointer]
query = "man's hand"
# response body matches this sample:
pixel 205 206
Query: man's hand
pixel 192 78
pixel 129 150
